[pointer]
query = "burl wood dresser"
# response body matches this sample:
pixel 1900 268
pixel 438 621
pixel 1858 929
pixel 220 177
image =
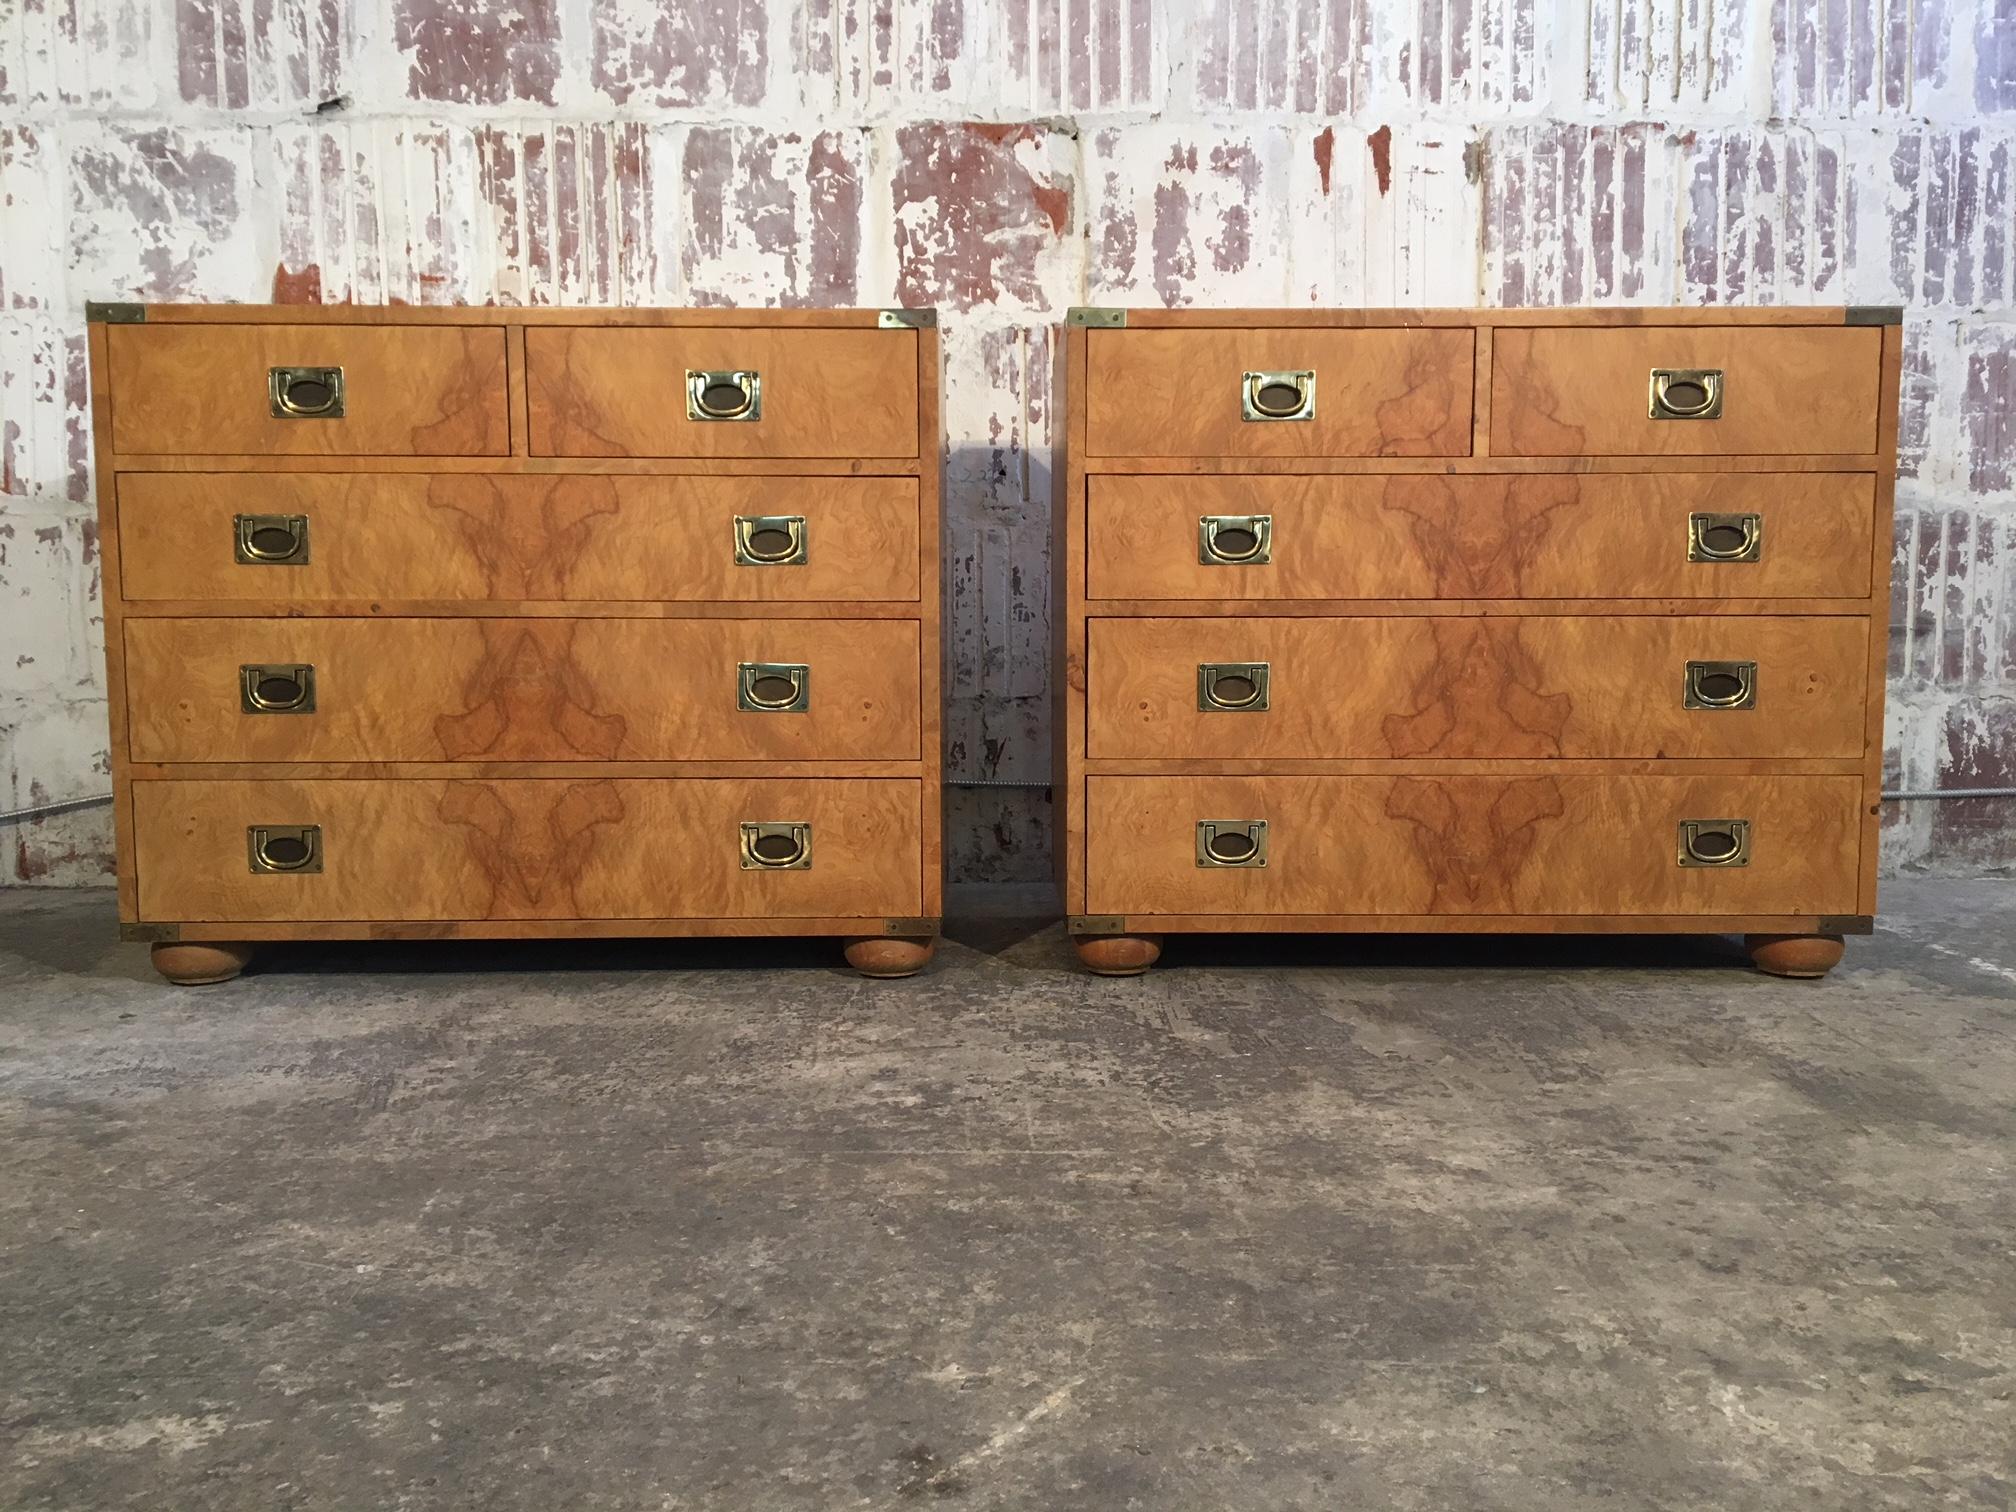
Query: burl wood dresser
pixel 1427 620
pixel 481 623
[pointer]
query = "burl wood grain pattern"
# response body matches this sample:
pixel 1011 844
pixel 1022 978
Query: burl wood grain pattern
pixel 1585 392
pixel 524 689
pixel 1379 393
pixel 202 390
pixel 1545 844
pixel 537 849
pixel 1522 536
pixel 474 536
pixel 1432 688
pixel 617 391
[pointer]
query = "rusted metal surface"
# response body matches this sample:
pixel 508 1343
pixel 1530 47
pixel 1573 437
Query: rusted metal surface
pixel 1003 162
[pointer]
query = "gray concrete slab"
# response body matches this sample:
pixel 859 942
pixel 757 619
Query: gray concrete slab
pixel 1396 1224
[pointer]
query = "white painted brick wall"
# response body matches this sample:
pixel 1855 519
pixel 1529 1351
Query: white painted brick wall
pixel 1002 161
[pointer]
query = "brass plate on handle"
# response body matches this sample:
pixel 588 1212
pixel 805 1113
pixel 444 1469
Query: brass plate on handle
pixel 1686 394
pixel 1720 685
pixel 1286 395
pixel 1725 537
pixel 776 846
pixel 305 393
pixel 724 395
pixel 284 848
pixel 1235 540
pixel 1232 687
pixel 263 540
pixel 276 688
pixel 1232 843
pixel 1714 842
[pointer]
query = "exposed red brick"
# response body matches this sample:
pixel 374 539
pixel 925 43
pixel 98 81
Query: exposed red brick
pixel 973 220
pixel 297 286
pixel 471 52
pixel 1380 144
pixel 675 56
pixel 1325 145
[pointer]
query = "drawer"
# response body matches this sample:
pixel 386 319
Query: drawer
pixel 523 690
pixel 396 391
pixel 1435 687
pixel 1771 391
pixel 1598 845
pixel 635 391
pixel 1376 392
pixel 319 537
pixel 1529 536
pixel 529 849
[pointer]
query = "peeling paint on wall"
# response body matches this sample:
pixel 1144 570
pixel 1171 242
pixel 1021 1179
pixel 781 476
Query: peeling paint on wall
pixel 1003 161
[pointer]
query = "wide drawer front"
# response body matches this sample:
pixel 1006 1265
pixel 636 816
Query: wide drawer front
pixel 521 690
pixel 532 849
pixel 1685 391
pixel 312 537
pixel 1280 392
pixel 1525 686
pixel 1472 845
pixel 721 392
pixel 1530 536
pixel 308 390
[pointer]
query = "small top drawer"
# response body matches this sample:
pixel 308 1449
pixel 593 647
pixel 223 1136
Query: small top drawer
pixel 721 391
pixel 1280 391
pixel 1697 391
pixel 308 390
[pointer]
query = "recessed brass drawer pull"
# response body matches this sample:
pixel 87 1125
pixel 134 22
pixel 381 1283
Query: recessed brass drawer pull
pixel 1235 540
pixel 1686 394
pixel 1285 395
pixel 305 393
pixel 270 540
pixel 276 688
pixel 1720 685
pixel 1725 537
pixel 733 395
pixel 773 687
pixel 284 847
pixel 1232 687
pixel 1714 842
pixel 1232 843
pixel 776 847
pixel 770 541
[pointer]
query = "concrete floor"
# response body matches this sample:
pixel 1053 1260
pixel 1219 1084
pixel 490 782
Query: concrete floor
pixel 1549 1225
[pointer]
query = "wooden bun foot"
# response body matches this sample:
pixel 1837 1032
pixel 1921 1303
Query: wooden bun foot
pixel 890 955
pixel 1801 955
pixel 1118 955
pixel 198 965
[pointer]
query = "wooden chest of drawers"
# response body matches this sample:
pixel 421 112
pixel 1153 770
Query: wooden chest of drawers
pixel 485 623
pixel 1421 620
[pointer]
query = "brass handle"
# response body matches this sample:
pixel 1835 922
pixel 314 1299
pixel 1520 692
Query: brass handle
pixel 776 846
pixel 1232 843
pixel 1720 685
pixel 1232 687
pixel 726 395
pixel 1725 537
pixel 276 688
pixel 770 541
pixel 270 540
pixel 1686 394
pixel 305 393
pixel 1286 395
pixel 284 847
pixel 1235 540
pixel 773 687
pixel 1714 842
